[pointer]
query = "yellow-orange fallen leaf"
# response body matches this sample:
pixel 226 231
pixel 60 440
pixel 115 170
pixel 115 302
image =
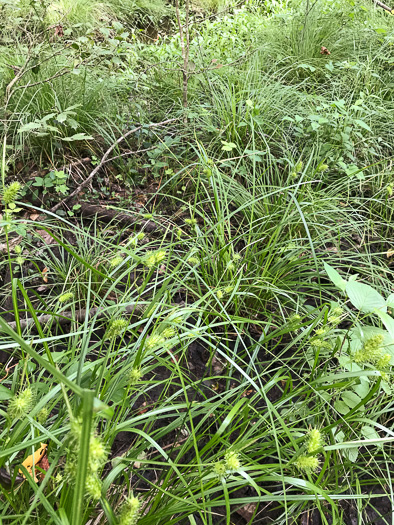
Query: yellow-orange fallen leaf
pixel 45 275
pixel 390 253
pixel 34 459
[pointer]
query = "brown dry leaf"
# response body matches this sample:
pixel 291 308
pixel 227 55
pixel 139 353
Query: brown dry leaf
pixel 44 274
pixel 34 216
pixel 324 51
pixel 247 511
pixel 142 410
pixel 217 365
pixel 59 31
pixel 44 465
pixel 248 392
pixel 12 243
pixel 45 236
pixel 390 253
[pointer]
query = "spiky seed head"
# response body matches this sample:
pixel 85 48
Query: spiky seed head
pixel 298 167
pixel 154 341
pixel 93 487
pixel 160 256
pixel 42 415
pixel 383 362
pixel 307 463
pixel 193 261
pixel 11 193
pixel 116 261
pixel 315 441
pixel 150 259
pixel 97 453
pixel 21 404
pixel 135 376
pixel 168 332
pixel 76 428
pixel 219 469
pixel 116 328
pixel 231 460
pixel 66 297
pixel 130 511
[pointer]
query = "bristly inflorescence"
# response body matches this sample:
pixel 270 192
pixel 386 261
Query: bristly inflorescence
pixel 130 511
pixel 116 328
pixel 310 462
pixel 21 404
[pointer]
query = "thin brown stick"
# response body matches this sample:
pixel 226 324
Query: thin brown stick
pixel 383 6
pixel 126 153
pixel 103 159
pixel 108 215
pixel 68 317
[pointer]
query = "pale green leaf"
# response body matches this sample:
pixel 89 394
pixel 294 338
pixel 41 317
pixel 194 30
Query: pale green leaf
pixel 364 297
pixel 334 276
pixel 351 398
pixel 5 393
pixel 77 136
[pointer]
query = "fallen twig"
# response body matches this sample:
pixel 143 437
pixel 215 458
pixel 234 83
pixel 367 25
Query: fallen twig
pixel 108 215
pixel 68 316
pixel 383 6
pixel 103 159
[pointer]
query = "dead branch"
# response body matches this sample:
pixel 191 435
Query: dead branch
pixel 103 159
pixel 107 215
pixel 383 6
pixel 68 317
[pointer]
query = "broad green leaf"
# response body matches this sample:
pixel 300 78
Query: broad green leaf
pixel 351 454
pixel 364 297
pixel 351 398
pixel 62 117
pixel 77 136
pixel 341 407
pixel 362 389
pixel 335 278
pixel 369 432
pixel 390 300
pixel 29 127
pixel 5 393
pixel 388 321
pixel 362 124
